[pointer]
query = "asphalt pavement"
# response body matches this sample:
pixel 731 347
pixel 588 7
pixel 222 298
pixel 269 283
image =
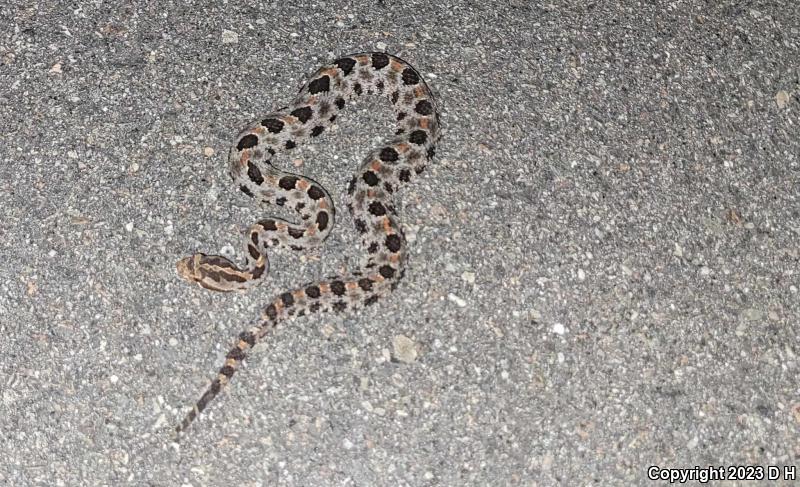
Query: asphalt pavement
pixel 604 259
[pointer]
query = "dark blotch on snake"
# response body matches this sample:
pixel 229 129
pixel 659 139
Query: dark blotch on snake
pixel 248 338
pixel 370 178
pixel 322 220
pixel 254 173
pixel 418 137
pixel 388 154
pixel 236 353
pixel 393 242
pixel 377 209
pixel 386 271
pixel 360 226
pixel 268 225
pixel 379 60
pixel 303 114
pixel 247 142
pixel 424 107
pixel 346 64
pixel 323 83
pixel 273 125
pixel 287 182
pixel 410 77
pixel 253 252
pixel 337 287
pixel 312 292
pixel 315 192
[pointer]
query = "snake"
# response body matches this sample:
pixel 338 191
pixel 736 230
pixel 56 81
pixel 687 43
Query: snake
pixel 369 199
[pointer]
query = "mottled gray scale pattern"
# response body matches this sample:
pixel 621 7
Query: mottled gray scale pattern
pixel 383 170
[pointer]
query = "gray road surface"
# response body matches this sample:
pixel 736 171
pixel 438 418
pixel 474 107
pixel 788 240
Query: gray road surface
pixel 604 264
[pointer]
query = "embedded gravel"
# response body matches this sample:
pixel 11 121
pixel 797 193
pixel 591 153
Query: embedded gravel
pixel 604 263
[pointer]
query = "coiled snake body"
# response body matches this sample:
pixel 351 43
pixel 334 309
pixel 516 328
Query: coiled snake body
pixel 369 197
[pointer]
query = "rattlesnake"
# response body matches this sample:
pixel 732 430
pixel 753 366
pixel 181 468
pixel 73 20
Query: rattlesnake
pixel 369 197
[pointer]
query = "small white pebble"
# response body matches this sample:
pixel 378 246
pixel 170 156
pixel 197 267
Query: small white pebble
pixel 72 154
pixel 381 46
pixel 347 444
pixel 328 330
pixel 781 98
pixel 134 167
pixel 230 37
pixel 692 444
pixel 468 277
pixel 52 253
pixel 560 357
pixel 559 329
pixel 129 227
pixel 56 68
pixel 455 299
pixel 208 151
pixel 169 229
pixel 113 379
pixel 294 34
pixel 404 349
pixel 173 342
pixel 137 357
pixel 581 275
